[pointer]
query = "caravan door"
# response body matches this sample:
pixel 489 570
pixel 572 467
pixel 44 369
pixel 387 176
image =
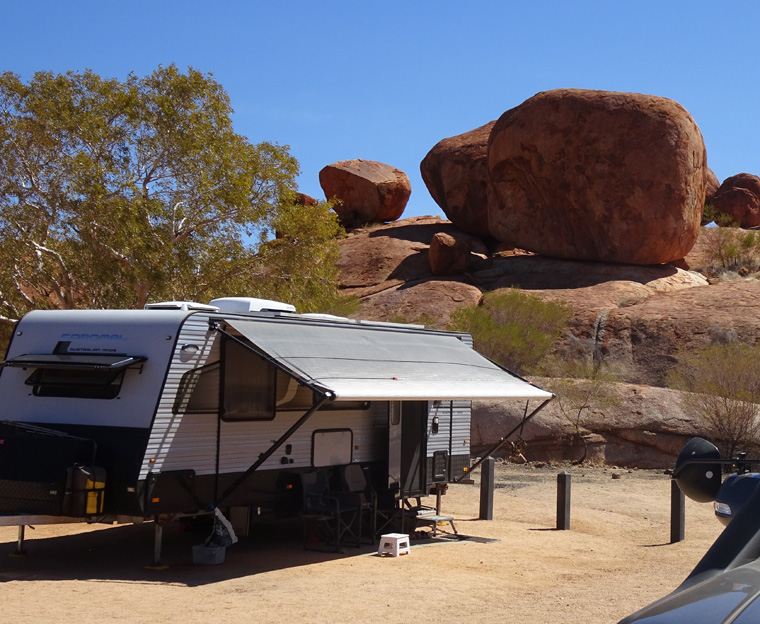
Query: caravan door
pixel 407 448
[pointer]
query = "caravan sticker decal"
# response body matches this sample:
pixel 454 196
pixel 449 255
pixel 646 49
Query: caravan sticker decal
pixel 92 337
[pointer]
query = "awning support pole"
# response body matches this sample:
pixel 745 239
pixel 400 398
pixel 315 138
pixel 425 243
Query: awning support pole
pixel 270 451
pixel 502 441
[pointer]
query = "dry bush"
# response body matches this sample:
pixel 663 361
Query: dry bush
pixel 721 387
pixel 731 250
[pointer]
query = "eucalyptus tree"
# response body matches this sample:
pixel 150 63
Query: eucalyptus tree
pixel 114 193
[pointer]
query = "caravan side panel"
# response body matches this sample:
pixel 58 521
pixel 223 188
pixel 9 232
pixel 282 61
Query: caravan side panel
pixel 193 440
pixel 182 441
pixel 177 436
pixel 243 442
pixel 460 438
pixel 448 440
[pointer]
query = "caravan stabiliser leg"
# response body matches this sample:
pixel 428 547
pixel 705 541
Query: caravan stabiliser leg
pixel 158 536
pixel 20 552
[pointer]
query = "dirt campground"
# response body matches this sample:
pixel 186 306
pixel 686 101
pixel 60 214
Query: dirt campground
pixel 615 558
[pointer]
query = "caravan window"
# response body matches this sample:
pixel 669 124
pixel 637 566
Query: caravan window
pixel 76 383
pixel 248 386
pixel 252 389
pixel 198 391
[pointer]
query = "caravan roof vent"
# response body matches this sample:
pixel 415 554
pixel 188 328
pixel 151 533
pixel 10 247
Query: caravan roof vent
pixel 241 305
pixel 181 305
pixel 327 317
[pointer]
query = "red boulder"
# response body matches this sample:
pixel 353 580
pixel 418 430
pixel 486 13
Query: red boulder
pixel 597 175
pixel 739 198
pixel 455 172
pixel 449 255
pixel 366 191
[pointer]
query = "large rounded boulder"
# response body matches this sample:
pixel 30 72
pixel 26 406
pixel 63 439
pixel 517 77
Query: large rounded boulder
pixel 739 198
pixel 366 191
pixel 598 175
pixel 455 172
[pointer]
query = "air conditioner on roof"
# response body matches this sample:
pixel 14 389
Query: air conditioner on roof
pixel 241 305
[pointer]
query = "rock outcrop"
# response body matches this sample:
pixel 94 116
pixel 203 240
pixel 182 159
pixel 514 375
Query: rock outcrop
pixel 643 341
pixel 647 428
pixel 388 269
pixel 636 319
pixel 430 302
pixel 739 198
pixel 378 258
pixel 455 172
pixel 302 199
pixel 597 175
pixel 366 191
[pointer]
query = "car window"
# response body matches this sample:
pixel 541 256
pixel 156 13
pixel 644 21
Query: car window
pixel 750 615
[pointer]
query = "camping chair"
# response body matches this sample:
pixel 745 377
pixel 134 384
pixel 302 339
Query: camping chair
pixel 388 514
pixel 327 516
pixel 355 481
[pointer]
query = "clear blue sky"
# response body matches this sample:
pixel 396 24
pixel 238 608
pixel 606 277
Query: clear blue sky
pixel 387 80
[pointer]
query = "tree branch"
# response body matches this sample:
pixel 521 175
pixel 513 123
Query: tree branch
pixel 66 292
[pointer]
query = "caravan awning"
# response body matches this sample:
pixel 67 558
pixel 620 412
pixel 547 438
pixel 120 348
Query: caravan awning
pixel 70 361
pixel 358 362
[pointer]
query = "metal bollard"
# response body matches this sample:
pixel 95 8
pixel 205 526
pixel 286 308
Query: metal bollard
pixel 677 513
pixel 486 488
pixel 563 501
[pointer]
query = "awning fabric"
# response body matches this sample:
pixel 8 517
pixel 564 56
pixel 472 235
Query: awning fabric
pixel 358 362
pixel 70 361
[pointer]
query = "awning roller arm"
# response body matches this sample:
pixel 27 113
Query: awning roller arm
pixel 503 440
pixel 215 325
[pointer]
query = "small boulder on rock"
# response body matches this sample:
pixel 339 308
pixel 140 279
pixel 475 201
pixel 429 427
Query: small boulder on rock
pixel 366 191
pixel 449 255
pixel 302 199
pixel 739 198
pixel 598 175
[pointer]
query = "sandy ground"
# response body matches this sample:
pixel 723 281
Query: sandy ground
pixel 615 558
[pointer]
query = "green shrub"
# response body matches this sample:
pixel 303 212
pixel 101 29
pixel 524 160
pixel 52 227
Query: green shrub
pixel 709 214
pixel 513 329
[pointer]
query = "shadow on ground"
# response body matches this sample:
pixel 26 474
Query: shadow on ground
pixel 125 554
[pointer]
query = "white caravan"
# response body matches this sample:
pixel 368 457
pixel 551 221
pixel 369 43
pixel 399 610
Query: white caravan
pixel 181 408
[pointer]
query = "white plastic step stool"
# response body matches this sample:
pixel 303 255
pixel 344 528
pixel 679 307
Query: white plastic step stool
pixel 394 544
